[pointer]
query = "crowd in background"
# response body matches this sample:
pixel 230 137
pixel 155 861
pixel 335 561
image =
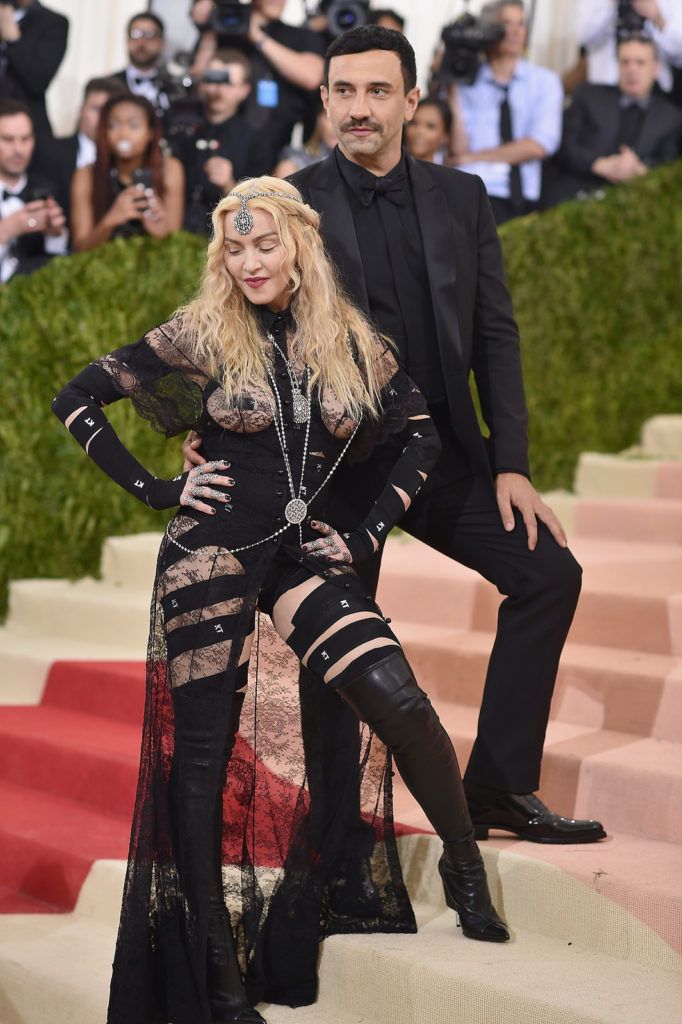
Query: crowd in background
pixel 160 141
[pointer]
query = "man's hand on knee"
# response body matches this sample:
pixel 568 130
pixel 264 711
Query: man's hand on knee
pixel 514 490
pixel 190 450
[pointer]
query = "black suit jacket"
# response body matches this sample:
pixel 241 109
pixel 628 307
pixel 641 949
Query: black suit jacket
pixel 591 126
pixel 475 326
pixel 33 61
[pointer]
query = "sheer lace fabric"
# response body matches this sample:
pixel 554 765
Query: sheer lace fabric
pixel 295 853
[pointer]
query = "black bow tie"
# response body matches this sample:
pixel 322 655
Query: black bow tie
pixel 142 79
pixel 5 194
pixel 393 188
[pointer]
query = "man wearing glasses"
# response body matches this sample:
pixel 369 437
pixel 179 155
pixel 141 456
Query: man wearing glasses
pixel 146 39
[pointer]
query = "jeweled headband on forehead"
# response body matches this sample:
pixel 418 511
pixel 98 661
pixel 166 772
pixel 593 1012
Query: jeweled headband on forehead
pixel 243 221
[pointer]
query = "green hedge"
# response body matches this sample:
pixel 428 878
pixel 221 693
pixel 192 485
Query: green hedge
pixel 596 287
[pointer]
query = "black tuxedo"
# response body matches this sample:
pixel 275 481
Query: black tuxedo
pixel 457 512
pixel 31 63
pixel 592 126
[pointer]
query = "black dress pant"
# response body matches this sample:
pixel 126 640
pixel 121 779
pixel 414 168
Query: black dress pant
pixel 457 514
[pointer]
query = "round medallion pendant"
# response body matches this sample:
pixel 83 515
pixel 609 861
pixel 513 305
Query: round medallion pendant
pixel 295 511
pixel 301 407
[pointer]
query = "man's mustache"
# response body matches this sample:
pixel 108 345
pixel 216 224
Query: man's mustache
pixel 366 122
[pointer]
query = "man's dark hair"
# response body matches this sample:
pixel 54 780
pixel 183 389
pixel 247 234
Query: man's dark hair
pixel 229 56
pixel 112 86
pixel 148 16
pixel 373 37
pixel 386 12
pixel 10 108
pixel 638 37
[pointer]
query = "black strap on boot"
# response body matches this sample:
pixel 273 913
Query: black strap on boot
pixel 388 698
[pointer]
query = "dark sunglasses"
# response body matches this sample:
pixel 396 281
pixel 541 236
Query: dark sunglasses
pixel 144 33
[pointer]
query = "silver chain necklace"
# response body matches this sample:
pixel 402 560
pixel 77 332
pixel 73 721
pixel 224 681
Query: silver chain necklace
pixel 301 403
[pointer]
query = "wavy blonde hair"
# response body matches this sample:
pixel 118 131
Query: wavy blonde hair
pixel 226 334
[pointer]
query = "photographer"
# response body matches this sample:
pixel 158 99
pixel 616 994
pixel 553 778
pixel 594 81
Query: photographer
pixel 132 188
pixel 146 41
pixel 32 224
pixel 509 120
pixel 615 133
pixel 601 23
pixel 222 147
pixel 287 66
pixel 32 46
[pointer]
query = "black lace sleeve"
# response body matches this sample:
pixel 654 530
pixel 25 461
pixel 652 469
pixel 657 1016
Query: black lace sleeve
pixel 405 417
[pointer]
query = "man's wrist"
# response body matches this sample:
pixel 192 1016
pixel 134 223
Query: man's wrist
pixel 260 40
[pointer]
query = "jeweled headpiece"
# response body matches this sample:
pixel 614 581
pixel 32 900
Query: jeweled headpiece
pixel 243 220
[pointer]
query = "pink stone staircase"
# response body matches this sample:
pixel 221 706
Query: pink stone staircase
pixel 614 743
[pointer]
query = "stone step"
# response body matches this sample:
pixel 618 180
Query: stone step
pixel 598 687
pixel 662 436
pixel 656 520
pixel 626 598
pixel 56 967
pixel 631 593
pixel 621 476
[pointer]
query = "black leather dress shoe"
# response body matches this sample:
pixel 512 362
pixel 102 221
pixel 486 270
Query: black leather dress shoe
pixel 528 818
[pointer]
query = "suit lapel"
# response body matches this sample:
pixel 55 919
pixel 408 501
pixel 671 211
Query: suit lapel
pixel 329 197
pixel 440 248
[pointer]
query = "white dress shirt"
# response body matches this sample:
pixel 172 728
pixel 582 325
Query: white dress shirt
pixel 87 151
pixel 597 32
pixel 147 84
pixel 536 101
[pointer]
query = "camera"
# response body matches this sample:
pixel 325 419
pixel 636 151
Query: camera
pixel 465 40
pixel 628 22
pixel 231 19
pixel 342 16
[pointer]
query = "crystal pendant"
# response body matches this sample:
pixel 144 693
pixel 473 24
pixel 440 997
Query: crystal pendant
pixel 295 511
pixel 301 407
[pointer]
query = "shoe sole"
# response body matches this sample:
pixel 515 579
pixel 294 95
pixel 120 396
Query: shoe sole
pixel 484 831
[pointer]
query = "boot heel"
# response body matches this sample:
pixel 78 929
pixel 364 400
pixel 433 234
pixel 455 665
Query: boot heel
pixel 481 832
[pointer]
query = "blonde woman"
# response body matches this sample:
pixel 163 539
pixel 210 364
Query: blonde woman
pixel 284 378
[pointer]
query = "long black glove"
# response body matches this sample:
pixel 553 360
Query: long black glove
pixel 79 406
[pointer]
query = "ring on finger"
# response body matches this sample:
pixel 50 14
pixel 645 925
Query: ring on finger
pixel 32 222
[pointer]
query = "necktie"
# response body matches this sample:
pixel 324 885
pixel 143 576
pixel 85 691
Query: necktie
pixel 630 125
pixel 515 187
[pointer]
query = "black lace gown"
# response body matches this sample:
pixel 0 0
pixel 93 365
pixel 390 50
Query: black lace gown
pixel 285 857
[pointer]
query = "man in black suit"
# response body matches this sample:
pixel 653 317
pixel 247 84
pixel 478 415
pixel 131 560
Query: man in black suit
pixel 32 224
pixel 615 133
pixel 32 46
pixel 417 247
pixel 59 158
pixel 144 75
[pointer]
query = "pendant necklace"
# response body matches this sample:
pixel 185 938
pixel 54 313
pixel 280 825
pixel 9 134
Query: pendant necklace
pixel 296 509
pixel 300 403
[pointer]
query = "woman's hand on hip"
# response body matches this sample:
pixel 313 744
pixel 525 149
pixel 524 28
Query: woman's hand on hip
pixel 201 486
pixel 331 546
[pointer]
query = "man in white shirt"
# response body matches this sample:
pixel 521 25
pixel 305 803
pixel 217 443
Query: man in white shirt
pixel 509 120
pixel 146 37
pixel 32 224
pixel 598 32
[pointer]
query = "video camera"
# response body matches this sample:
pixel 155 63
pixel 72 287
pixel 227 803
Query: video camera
pixel 231 19
pixel 465 40
pixel 341 15
pixel 628 22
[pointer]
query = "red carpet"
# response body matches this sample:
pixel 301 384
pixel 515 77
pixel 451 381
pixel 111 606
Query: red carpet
pixel 68 771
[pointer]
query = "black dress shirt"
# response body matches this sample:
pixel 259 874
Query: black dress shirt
pixel 392 252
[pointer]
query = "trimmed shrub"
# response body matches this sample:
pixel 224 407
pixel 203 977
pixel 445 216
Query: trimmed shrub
pixel 596 287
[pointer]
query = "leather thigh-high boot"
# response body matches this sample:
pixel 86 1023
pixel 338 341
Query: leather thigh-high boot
pixel 226 993
pixel 387 697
